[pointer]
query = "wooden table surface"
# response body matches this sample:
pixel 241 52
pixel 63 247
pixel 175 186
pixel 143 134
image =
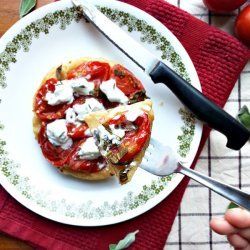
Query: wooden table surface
pixel 9 14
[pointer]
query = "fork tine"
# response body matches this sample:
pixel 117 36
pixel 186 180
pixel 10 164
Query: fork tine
pixel 159 159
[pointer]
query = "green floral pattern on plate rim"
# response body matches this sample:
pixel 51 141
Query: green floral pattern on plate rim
pixel 86 210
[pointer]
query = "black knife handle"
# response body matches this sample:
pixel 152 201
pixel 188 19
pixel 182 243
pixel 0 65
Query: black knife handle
pixel 204 109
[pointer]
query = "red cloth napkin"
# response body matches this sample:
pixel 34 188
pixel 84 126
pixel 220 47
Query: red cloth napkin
pixel 219 59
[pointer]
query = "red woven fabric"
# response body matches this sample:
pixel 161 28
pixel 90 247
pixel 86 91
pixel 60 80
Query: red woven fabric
pixel 219 59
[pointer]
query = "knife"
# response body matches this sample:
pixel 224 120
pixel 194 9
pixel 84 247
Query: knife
pixel 204 109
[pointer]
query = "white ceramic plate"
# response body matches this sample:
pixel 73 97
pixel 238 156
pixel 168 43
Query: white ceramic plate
pixel 55 34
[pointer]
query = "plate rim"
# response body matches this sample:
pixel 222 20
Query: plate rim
pixel 26 204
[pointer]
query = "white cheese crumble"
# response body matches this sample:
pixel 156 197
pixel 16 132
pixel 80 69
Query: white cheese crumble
pixel 101 165
pixel 81 86
pixel 63 94
pixel 106 136
pixel 88 150
pixel 90 105
pixel 56 132
pixel 105 139
pixel 79 111
pixel 70 115
pixel 132 114
pixel 113 93
pixel 117 131
pixel 65 90
pixel 88 132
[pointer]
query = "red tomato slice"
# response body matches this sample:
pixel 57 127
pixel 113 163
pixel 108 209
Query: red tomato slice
pixel 54 154
pixel 125 80
pixel 45 111
pixel 134 140
pixel 77 132
pixel 82 165
pixel 99 71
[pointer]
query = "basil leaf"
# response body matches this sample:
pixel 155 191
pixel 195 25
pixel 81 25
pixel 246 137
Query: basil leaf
pixel 244 116
pixel 232 205
pixel 26 6
pixel 126 242
pixel 112 246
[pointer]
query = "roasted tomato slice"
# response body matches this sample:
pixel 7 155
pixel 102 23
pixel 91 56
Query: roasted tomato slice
pixel 54 154
pixel 77 131
pixel 42 109
pixel 93 71
pixel 135 139
pixel 83 165
pixel 126 81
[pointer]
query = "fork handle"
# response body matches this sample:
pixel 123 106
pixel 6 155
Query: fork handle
pixel 233 194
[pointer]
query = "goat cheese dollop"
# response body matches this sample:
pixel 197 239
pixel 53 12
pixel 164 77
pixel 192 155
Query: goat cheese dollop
pixel 63 93
pixel 89 150
pixel 56 132
pixel 113 93
pixel 133 114
pixel 79 111
pixel 65 90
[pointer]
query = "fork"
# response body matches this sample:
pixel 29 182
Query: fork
pixel 161 160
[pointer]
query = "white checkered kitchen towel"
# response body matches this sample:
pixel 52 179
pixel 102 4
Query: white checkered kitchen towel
pixel 191 229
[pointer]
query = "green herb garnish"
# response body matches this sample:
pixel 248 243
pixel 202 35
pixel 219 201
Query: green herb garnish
pixel 139 95
pixel 26 6
pixel 244 116
pixel 232 205
pixel 119 73
pixel 126 242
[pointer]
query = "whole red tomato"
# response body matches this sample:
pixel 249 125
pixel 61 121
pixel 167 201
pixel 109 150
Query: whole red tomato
pixel 242 26
pixel 223 5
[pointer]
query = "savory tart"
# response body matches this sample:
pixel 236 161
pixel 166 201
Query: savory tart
pixel 122 135
pixel 76 92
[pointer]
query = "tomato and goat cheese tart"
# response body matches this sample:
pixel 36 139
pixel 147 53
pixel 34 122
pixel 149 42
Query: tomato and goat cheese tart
pixel 92 119
pixel 122 135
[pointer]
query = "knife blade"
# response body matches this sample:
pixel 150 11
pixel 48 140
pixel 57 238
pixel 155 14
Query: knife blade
pixel 203 108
